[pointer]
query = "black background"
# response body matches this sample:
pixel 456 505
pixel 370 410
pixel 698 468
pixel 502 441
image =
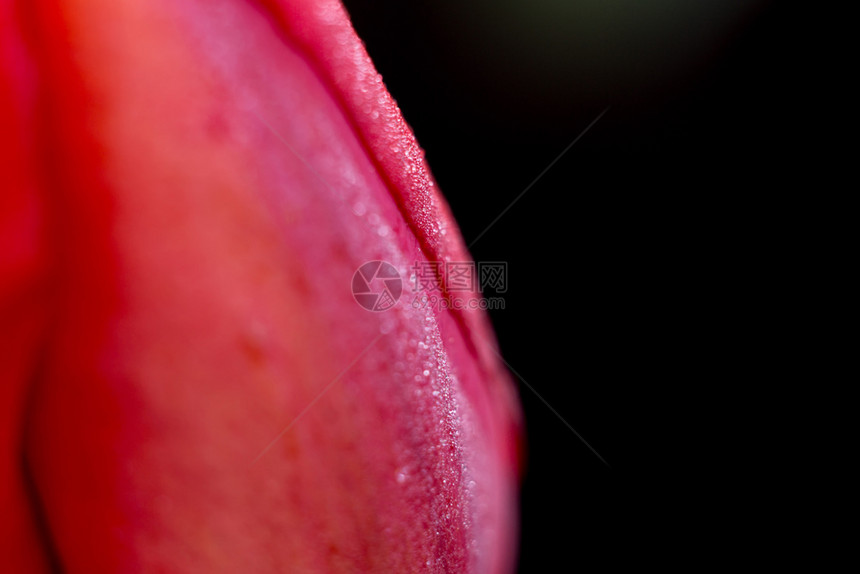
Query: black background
pixel 618 255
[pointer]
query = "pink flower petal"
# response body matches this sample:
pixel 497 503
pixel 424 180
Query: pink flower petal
pixel 210 397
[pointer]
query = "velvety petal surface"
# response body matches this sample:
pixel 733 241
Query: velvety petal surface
pixel 198 390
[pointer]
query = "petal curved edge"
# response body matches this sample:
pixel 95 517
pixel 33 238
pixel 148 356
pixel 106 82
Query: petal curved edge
pixel 322 30
pixel 212 398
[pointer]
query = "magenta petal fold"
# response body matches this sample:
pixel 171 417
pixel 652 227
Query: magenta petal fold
pixel 188 382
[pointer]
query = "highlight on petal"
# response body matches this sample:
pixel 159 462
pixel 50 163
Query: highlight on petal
pixel 190 381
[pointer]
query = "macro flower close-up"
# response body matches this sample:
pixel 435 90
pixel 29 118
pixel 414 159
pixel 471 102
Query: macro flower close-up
pixel 191 379
pixel 245 328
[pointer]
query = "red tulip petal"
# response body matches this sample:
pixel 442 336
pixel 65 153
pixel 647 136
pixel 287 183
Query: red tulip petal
pixel 23 294
pixel 323 31
pixel 212 397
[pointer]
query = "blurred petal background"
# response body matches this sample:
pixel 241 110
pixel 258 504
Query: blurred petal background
pixel 621 269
